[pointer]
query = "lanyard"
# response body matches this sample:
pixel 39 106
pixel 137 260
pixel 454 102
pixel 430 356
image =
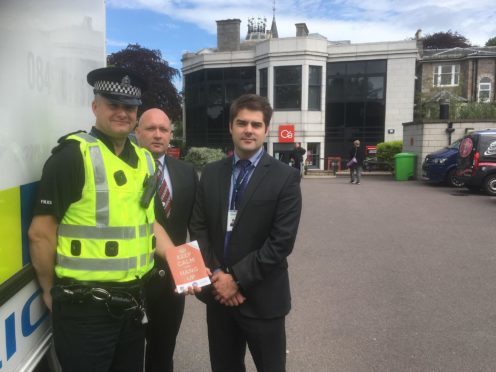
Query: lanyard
pixel 236 184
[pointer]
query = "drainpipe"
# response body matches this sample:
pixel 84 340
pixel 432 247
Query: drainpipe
pixel 444 115
pixel 450 130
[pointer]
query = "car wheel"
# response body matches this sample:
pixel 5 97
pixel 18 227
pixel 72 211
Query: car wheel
pixel 453 180
pixel 490 185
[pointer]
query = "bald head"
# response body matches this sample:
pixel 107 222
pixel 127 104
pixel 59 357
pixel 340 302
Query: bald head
pixel 154 131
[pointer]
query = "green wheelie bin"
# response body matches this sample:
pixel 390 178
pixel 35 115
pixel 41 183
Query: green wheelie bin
pixel 404 166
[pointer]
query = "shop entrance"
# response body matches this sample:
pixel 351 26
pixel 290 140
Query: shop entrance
pixel 283 151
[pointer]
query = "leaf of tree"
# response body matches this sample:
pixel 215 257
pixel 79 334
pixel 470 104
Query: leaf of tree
pixel 161 92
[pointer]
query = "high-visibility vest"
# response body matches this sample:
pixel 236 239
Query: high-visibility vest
pixel 107 235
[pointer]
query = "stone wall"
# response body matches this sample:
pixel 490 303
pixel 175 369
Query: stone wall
pixel 424 138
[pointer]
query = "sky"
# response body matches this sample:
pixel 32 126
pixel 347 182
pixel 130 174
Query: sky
pixel 177 26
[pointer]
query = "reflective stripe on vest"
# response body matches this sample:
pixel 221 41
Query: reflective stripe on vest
pixel 97 264
pixel 150 162
pixel 107 232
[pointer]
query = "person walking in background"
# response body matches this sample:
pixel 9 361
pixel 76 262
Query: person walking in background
pixel 246 218
pixel 297 156
pixel 165 308
pixel 356 162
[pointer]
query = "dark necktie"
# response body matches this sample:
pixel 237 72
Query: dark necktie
pixel 239 187
pixel 241 181
pixel 163 191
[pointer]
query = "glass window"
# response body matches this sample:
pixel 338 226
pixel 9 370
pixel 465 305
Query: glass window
pixel 336 68
pixel 375 87
pixel 215 95
pixel 335 114
pixel 314 87
pixel 215 74
pixel 446 75
pixel 208 95
pixel 263 80
pixel 376 67
pixel 287 87
pixel 247 73
pixel 335 88
pixel 355 89
pixel 485 90
pixel 355 68
pixel 233 91
pixel 356 93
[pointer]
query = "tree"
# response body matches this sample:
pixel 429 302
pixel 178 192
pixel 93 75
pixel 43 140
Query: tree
pixel 491 42
pixel 161 92
pixel 445 40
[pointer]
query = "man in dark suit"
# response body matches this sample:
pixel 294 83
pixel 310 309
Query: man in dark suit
pixel 246 217
pixel 165 308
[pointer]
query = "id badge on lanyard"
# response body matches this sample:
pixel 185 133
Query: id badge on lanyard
pixel 231 217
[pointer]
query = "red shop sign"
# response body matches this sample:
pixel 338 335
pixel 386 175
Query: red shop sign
pixel 286 133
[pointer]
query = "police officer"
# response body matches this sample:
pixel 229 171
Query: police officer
pixel 92 235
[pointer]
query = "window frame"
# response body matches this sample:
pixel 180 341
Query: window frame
pixel 263 79
pixel 285 85
pixel 454 75
pixel 317 87
pixel 487 82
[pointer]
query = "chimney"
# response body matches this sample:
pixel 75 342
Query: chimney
pixel 301 29
pixel 228 32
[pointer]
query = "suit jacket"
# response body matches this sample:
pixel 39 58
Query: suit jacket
pixel 184 183
pixel 263 234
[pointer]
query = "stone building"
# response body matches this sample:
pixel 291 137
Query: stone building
pixel 464 72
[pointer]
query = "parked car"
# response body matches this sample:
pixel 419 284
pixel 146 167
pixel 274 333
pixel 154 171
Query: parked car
pixel 440 166
pixel 476 164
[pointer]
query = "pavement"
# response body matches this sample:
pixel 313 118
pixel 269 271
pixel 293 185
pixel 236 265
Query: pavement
pixel 386 276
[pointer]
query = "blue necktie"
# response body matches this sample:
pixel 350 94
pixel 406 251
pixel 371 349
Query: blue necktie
pixel 241 181
pixel 239 187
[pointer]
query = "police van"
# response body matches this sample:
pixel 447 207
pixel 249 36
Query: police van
pixel 47 48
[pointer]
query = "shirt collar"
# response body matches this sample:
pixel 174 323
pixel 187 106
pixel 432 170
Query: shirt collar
pixel 254 159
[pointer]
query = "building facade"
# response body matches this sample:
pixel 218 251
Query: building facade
pixel 325 94
pixel 468 73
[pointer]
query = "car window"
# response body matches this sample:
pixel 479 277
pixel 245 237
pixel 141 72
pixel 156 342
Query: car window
pixel 487 146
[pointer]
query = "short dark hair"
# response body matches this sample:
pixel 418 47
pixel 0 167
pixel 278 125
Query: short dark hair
pixel 252 102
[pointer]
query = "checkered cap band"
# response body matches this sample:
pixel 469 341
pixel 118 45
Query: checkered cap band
pixel 115 87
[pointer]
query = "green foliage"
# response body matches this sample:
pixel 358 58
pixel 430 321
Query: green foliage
pixel 460 110
pixel 445 40
pixel 161 92
pixel 199 156
pixel 475 110
pixel 387 150
pixel 491 42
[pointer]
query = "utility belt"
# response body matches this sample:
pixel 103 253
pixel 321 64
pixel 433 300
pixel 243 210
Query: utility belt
pixel 120 299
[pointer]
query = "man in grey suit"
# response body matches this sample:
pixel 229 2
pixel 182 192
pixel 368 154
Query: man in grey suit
pixel 246 217
pixel 164 307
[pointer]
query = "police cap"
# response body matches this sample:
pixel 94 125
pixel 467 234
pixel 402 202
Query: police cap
pixel 117 84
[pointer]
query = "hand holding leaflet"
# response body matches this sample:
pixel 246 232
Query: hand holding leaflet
pixel 187 266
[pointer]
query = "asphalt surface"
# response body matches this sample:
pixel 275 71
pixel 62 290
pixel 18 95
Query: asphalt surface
pixel 386 276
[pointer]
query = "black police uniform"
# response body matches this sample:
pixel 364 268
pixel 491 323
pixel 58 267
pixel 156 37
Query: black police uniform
pixel 110 340
pixel 93 332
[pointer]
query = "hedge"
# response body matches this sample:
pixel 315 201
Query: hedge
pixel 387 150
pixel 199 156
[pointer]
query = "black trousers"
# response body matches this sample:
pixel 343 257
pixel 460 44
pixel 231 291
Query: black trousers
pixel 88 338
pixel 165 311
pixel 229 333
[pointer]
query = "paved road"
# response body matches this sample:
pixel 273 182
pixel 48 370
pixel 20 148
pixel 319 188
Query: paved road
pixel 386 276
